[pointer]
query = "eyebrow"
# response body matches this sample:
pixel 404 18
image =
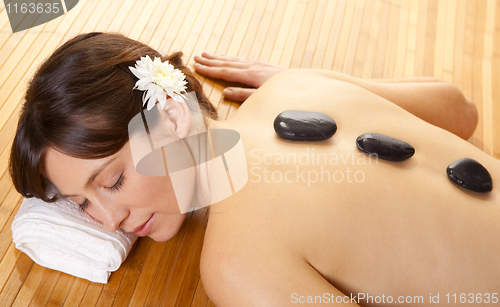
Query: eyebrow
pixel 95 174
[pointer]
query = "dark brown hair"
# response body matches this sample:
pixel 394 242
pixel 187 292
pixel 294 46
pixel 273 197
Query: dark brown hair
pixel 80 102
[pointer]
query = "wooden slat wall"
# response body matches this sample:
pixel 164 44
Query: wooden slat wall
pixel 456 40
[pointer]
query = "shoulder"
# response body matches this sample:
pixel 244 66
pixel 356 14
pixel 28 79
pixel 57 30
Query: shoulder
pixel 224 271
pixel 260 276
pixel 298 74
pixel 240 278
pixel 239 269
pixel 299 81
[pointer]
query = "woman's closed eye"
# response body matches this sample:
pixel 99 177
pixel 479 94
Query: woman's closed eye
pixel 115 187
pixel 83 205
pixel 118 184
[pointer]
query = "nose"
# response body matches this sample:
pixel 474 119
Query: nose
pixel 112 225
pixel 109 214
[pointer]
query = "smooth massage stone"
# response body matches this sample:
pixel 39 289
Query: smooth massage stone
pixel 471 175
pixel 304 126
pixel 384 147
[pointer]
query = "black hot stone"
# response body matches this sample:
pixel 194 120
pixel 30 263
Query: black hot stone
pixel 304 126
pixel 384 147
pixel 471 175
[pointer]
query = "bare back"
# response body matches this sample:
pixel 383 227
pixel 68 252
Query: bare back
pixel 364 224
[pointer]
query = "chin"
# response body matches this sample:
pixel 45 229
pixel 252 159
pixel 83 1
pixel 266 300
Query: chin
pixel 161 237
pixel 167 233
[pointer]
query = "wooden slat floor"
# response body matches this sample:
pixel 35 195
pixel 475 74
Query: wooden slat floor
pixel 456 40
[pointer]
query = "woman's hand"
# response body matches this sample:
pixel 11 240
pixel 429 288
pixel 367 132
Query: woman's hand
pixel 249 72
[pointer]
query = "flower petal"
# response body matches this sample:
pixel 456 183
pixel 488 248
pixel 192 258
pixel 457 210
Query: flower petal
pixel 158 79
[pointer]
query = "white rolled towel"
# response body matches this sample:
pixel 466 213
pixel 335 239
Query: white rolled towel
pixel 61 237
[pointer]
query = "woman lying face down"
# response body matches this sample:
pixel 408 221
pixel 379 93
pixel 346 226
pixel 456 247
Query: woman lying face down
pixel 296 229
pixel 73 134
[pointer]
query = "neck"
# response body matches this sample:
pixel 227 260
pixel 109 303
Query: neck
pixel 215 154
pixel 200 150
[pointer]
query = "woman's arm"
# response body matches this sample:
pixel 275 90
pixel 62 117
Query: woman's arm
pixel 439 103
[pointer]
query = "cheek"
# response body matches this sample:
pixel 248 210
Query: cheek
pixel 95 214
pixel 153 192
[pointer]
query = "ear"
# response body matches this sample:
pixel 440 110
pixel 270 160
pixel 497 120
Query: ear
pixel 178 113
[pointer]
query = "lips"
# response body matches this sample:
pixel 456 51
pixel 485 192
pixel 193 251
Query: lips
pixel 145 228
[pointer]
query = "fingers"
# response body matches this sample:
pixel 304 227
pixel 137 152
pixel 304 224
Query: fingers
pixel 246 71
pixel 238 93
pixel 223 57
pixel 221 61
pixel 224 73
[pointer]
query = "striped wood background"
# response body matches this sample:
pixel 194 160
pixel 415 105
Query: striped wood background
pixel 456 40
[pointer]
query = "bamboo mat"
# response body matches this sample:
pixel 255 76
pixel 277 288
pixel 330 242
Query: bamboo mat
pixel 456 40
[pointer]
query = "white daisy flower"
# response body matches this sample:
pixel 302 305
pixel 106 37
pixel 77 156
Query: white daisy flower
pixel 158 79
